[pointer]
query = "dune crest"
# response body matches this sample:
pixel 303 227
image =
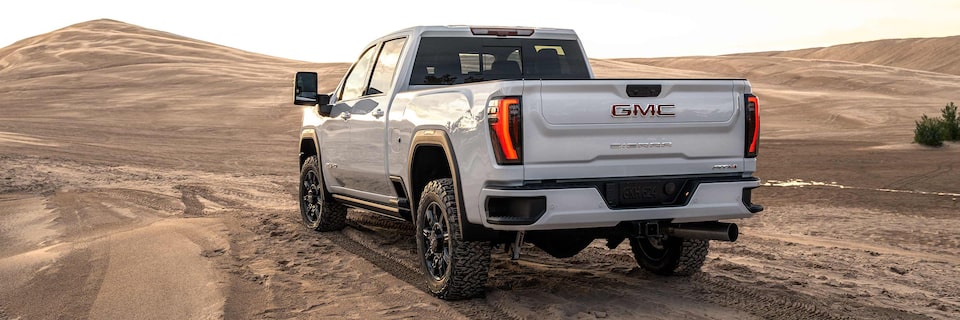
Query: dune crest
pixel 103 87
pixel 930 54
pixel 129 52
pixel 107 43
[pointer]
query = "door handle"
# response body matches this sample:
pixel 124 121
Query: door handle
pixel 345 115
pixel 377 114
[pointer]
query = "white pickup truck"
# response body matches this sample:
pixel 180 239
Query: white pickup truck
pixel 487 136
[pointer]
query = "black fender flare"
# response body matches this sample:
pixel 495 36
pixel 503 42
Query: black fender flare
pixel 436 137
pixel 312 135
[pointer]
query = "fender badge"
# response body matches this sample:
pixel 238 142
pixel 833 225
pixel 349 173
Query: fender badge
pixel 724 166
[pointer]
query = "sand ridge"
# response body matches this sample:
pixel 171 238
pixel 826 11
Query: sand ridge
pixel 845 100
pixel 940 55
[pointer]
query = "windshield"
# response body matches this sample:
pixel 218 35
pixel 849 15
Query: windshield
pixel 444 61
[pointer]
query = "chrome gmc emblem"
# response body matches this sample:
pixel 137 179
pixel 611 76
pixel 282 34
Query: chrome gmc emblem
pixel 637 110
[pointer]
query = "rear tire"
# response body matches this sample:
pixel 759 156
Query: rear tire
pixel 671 256
pixel 317 208
pixel 454 268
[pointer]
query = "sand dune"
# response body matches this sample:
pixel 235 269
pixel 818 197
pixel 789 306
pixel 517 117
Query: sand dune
pixel 846 91
pixel 930 54
pixel 818 98
pixel 124 85
pixel 145 174
pixel 103 44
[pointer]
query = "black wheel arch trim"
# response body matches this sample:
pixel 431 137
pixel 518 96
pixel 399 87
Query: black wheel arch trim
pixel 310 134
pixel 436 137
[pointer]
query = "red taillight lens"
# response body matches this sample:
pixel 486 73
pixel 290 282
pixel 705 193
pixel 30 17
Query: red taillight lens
pixel 752 114
pixel 504 117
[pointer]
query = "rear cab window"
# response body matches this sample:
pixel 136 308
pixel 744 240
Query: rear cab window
pixel 453 60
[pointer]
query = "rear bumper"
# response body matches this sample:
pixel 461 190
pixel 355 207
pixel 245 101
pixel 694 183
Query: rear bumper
pixel 584 207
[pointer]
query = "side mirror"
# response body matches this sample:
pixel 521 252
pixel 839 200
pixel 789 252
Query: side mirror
pixel 305 93
pixel 305 89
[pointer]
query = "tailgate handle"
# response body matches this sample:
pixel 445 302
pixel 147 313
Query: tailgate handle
pixel 643 90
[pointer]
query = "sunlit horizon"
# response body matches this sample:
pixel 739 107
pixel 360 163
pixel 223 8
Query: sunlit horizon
pixel 336 32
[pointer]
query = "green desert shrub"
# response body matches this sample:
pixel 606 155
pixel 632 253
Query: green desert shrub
pixel 929 131
pixel 951 128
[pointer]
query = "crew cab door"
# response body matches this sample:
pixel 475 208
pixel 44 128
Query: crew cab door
pixel 335 136
pixel 368 124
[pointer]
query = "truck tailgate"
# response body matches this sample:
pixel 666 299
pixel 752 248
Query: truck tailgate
pixel 628 128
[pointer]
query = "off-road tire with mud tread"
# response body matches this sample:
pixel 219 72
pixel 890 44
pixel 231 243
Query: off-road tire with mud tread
pixel 679 257
pixel 332 215
pixel 466 273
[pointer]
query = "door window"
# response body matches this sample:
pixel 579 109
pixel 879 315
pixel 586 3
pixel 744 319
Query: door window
pixel 382 78
pixel 353 87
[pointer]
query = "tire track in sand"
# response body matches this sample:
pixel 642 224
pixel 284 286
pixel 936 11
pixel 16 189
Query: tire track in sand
pixel 720 290
pixel 731 293
pixel 473 309
pixel 906 182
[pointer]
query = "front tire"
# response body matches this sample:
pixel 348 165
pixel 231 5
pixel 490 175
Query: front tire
pixel 317 208
pixel 671 256
pixel 454 268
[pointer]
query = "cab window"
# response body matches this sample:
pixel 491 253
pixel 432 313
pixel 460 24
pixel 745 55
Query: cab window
pixel 456 60
pixel 383 71
pixel 353 87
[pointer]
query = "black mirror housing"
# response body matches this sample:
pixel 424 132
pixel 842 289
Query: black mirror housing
pixel 323 99
pixel 305 89
pixel 305 93
pixel 325 108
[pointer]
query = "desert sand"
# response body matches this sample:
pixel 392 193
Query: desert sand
pixel 148 175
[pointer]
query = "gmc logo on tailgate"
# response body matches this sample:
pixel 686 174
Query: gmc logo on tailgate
pixel 636 110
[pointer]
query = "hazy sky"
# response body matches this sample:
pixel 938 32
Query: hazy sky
pixel 337 30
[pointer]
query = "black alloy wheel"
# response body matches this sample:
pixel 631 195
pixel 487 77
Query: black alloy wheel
pixel 436 245
pixel 453 268
pixel 317 209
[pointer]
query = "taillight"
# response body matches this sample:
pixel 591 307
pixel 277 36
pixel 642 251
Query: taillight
pixel 503 115
pixel 752 114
